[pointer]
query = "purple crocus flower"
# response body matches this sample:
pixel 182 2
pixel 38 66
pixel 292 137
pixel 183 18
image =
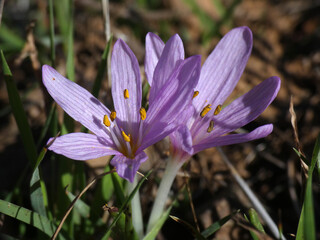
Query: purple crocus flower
pixel 207 123
pixel 127 130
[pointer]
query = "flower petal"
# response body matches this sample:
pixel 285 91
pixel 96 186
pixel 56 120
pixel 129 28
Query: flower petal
pixel 126 167
pixel 75 100
pixel 82 146
pixel 259 132
pixel 241 111
pixel 126 75
pixel 172 55
pixel 181 140
pixel 172 100
pixel 223 68
pixel 154 48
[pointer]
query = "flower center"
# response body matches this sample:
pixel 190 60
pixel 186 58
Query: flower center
pixel 125 142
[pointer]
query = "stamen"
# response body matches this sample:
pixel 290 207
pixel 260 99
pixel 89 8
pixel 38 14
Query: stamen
pixel 126 94
pixel 205 110
pixel 106 121
pixel 196 93
pixel 218 110
pixel 143 113
pixel 113 115
pixel 211 125
pixel 126 137
pixel 53 79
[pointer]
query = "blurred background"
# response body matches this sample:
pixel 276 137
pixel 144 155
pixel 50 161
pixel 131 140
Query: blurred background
pixel 286 43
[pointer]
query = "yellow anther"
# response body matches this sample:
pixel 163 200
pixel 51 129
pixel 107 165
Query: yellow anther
pixel 126 94
pixel 196 93
pixel 211 125
pixel 126 137
pixel 143 113
pixel 205 110
pixel 106 121
pixel 218 110
pixel 113 115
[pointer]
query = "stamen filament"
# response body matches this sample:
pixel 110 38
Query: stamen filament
pixel 205 110
pixel 218 110
pixel 106 121
pixel 143 113
pixel 126 94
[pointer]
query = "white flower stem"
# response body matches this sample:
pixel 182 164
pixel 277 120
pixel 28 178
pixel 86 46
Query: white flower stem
pixel 137 220
pixel 170 173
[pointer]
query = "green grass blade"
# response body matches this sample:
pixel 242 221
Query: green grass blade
pixel 193 230
pixel 52 44
pixel 9 39
pixel 102 69
pixel 38 191
pixel 118 189
pixel 157 227
pixel 27 216
pixel 70 43
pixel 80 206
pixel 19 114
pixel 217 225
pixel 126 203
pixel 45 128
pixel 306 228
pixel 254 219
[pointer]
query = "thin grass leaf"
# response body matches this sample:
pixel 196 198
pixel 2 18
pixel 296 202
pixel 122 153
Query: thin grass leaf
pixel 254 219
pixel 10 40
pixel 45 128
pixel 157 227
pixel 217 225
pixel 19 114
pixel 80 206
pixel 118 189
pixel 193 230
pixel 306 228
pixel 126 203
pixel 38 191
pixel 70 49
pixel 101 69
pixel 253 235
pixel 27 216
pixel 52 45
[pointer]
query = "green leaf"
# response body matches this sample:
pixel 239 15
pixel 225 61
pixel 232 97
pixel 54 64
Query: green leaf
pixel 101 69
pixel 254 219
pixel 19 114
pixel 126 203
pixel 52 45
pixel 80 206
pixel 306 228
pixel 157 227
pixel 217 225
pixel 29 217
pixel 193 230
pixel 118 189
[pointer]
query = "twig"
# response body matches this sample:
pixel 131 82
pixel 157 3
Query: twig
pixel 254 200
pixel 74 201
pixel 304 166
pixel 191 202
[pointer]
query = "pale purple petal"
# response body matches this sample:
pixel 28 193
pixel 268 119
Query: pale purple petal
pixel 75 100
pixel 127 167
pixel 259 132
pixel 242 110
pixel 181 139
pixel 125 74
pixel 154 48
pixel 82 146
pixel 223 68
pixel 172 55
pixel 171 102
